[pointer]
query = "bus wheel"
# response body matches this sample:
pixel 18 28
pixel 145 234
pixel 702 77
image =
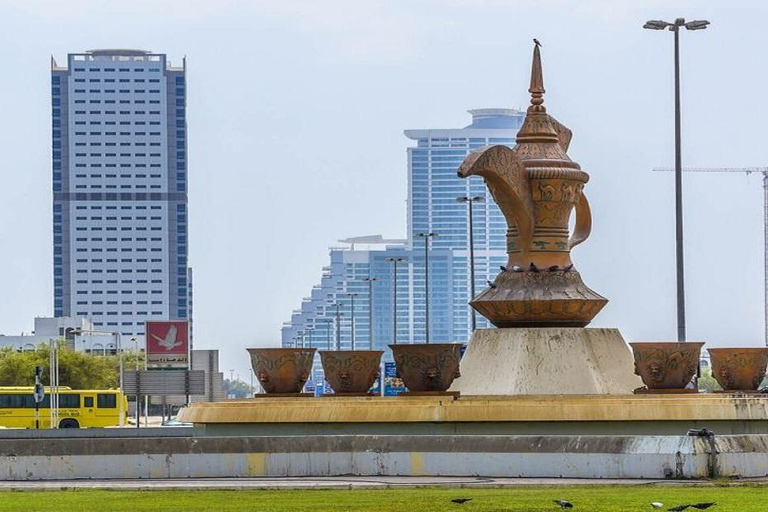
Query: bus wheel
pixel 69 423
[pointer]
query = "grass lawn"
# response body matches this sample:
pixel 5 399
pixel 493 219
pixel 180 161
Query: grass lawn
pixel 530 499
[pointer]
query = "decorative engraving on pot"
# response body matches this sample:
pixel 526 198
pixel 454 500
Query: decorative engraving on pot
pixel 282 370
pixel 666 365
pixel 537 188
pixel 351 371
pixel 739 369
pixel 427 367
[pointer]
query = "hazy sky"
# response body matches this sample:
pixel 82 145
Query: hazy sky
pixel 296 112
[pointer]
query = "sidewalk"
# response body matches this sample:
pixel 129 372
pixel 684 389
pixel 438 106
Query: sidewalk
pixel 382 482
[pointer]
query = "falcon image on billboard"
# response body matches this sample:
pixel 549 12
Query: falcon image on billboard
pixel 167 344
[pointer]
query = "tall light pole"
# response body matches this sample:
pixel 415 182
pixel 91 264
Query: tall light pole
pixel 675 28
pixel 327 322
pixel 370 281
pixel 338 326
pixel 394 261
pixel 352 318
pixel 470 201
pixel 309 333
pixel 426 237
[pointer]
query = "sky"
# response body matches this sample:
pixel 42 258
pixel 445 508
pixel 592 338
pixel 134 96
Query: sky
pixel 296 112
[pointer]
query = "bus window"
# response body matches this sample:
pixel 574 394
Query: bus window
pixel 88 401
pixel 106 401
pixel 69 401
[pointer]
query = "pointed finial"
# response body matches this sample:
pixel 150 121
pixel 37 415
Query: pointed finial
pixel 537 81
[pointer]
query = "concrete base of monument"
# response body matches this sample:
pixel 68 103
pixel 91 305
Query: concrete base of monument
pixel 547 361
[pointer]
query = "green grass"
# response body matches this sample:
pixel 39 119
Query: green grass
pixel 529 499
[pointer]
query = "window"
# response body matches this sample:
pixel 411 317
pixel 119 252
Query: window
pixel 88 401
pixel 69 400
pixel 105 401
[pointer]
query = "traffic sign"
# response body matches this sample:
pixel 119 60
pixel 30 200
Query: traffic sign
pixel 39 393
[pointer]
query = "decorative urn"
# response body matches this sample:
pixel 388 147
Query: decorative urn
pixel 428 367
pixel 351 371
pixel 666 365
pixel 739 369
pixel 282 370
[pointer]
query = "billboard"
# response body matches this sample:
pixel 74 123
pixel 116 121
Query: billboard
pixel 167 344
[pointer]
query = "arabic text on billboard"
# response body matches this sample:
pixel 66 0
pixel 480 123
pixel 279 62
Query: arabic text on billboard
pixel 167 344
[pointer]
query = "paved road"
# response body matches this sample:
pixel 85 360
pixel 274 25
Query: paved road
pixel 329 483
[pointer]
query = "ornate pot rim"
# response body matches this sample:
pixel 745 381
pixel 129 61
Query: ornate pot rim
pixel 725 350
pixel 351 352
pixel 280 349
pixel 393 345
pixel 666 344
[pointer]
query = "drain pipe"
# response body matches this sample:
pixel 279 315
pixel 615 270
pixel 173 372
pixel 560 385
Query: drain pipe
pixel 712 459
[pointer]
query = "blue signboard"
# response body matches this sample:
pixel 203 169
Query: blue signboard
pixel 393 385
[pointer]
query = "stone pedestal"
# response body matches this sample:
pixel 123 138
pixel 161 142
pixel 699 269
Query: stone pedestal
pixel 547 361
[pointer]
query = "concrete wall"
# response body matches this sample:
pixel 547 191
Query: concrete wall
pixel 493 456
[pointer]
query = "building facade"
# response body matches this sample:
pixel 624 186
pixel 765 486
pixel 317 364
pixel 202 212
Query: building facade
pixel 367 277
pixel 120 228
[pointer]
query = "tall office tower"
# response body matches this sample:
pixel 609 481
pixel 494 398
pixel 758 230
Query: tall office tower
pixel 433 189
pixel 120 189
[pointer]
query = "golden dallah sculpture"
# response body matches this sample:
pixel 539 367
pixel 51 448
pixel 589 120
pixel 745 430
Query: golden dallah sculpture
pixel 537 187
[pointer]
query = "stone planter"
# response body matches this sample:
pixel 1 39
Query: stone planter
pixel 282 370
pixel 351 371
pixel 427 367
pixel 666 365
pixel 739 369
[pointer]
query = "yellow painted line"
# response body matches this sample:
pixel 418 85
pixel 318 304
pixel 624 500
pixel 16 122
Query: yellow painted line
pixel 417 464
pixel 257 464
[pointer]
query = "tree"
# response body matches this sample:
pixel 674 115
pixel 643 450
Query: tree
pixel 237 388
pixel 76 369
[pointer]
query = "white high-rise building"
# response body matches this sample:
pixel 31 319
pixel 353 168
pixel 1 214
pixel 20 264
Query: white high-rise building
pixel 120 189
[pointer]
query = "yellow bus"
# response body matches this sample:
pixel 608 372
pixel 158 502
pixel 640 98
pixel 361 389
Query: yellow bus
pixel 77 408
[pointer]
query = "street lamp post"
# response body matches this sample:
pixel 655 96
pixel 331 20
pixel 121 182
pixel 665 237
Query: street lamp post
pixel 470 200
pixel 352 318
pixel 338 326
pixel 394 261
pixel 675 28
pixel 138 397
pixel 370 281
pixel 327 322
pixel 426 237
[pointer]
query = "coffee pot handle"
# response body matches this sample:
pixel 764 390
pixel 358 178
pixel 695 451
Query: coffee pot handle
pixel 583 222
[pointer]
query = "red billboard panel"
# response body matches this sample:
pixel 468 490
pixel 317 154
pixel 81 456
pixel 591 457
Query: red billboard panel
pixel 167 344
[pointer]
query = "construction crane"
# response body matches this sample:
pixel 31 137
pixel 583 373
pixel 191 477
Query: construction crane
pixel 748 170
